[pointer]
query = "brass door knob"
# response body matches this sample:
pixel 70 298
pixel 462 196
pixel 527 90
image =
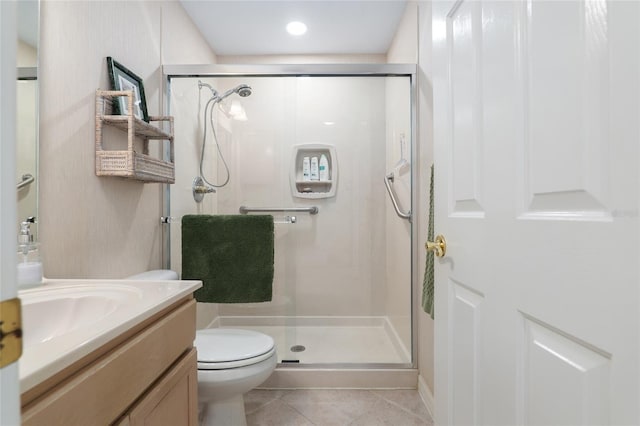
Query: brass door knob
pixel 439 246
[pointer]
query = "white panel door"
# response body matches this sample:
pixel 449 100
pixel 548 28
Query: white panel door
pixel 536 156
pixel 9 387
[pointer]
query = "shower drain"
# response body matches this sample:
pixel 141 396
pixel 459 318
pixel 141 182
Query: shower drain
pixel 297 348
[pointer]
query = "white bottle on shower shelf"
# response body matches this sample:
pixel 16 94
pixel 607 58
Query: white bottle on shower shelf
pixel 314 168
pixel 324 168
pixel 306 169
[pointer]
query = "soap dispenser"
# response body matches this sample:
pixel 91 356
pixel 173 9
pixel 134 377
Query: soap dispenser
pixel 29 263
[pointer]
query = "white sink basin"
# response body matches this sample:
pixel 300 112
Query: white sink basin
pixel 62 321
pixel 51 312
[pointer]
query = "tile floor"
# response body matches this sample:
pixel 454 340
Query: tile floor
pixel 335 408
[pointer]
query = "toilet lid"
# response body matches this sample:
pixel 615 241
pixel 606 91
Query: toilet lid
pixel 222 345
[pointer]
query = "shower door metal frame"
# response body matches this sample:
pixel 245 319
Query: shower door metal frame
pixel 318 70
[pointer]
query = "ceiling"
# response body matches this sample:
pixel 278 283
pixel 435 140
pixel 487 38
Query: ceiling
pixel 239 27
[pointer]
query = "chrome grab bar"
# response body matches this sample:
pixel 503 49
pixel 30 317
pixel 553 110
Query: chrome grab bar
pixel 310 210
pixel 27 179
pixel 388 180
pixel 164 220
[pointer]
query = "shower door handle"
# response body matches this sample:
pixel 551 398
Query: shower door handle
pixel 388 180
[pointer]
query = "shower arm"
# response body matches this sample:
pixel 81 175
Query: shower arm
pixel 214 92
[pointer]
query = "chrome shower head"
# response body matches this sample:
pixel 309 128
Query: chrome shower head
pixel 243 90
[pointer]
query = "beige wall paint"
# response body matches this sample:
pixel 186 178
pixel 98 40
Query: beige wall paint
pixel 181 41
pixel 425 156
pixel 101 227
pixel 412 43
pixel 27 55
pixel 403 49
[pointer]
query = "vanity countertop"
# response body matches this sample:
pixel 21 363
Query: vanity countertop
pixel 65 320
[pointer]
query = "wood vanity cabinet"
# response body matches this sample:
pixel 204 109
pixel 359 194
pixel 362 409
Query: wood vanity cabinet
pixel 147 375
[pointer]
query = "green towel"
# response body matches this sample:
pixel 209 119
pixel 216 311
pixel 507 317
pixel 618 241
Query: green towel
pixel 231 254
pixel 428 281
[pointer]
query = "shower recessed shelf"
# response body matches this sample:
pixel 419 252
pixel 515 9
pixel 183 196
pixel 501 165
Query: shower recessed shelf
pixel 129 163
pixel 302 188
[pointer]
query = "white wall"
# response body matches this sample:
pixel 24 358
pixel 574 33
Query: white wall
pixel 89 226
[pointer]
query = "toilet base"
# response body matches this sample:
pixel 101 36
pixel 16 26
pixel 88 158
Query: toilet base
pixel 225 412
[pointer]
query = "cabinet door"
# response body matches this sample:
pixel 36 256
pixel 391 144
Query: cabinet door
pixel 173 400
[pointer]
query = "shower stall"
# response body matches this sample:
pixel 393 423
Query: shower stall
pixel 344 240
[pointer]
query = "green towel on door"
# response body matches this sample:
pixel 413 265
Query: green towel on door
pixel 428 290
pixel 231 254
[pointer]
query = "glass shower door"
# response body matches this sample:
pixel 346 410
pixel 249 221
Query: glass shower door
pixel 342 283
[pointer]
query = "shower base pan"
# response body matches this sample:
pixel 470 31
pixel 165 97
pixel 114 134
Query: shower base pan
pixel 330 352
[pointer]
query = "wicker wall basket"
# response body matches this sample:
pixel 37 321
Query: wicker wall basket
pixel 129 163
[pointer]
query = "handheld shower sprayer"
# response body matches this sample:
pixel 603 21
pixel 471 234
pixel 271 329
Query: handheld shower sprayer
pixel 243 91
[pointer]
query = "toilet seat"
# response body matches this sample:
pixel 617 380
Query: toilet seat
pixel 223 348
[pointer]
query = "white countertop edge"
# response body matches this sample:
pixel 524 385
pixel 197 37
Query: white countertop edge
pixel 33 378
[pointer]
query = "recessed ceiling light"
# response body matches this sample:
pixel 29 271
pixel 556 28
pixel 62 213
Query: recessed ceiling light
pixel 296 28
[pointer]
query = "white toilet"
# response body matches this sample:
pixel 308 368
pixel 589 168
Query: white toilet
pixel 231 362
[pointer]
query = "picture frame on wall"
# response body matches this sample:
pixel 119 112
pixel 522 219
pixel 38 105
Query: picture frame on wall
pixel 122 78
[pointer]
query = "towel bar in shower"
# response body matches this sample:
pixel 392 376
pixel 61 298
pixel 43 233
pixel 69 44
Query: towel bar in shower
pixel 164 220
pixel 310 210
pixel 388 180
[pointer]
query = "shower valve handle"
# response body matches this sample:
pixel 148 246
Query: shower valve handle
pixel 202 189
pixel 199 189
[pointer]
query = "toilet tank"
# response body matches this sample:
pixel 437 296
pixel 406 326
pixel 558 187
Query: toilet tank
pixel 155 275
